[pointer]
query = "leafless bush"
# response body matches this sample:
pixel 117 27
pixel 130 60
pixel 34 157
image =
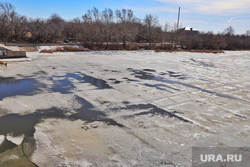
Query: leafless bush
pixel 74 49
pixel 46 51
pixel 59 49
pixel 101 30
pixel 193 51
pixel 133 47
pixel 115 46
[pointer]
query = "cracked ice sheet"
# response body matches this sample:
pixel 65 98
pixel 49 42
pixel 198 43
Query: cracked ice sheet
pixel 63 142
pixel 29 104
pixel 147 139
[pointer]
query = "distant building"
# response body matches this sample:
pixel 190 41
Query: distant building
pixel 188 30
pixel 11 52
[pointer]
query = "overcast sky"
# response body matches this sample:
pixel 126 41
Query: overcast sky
pixel 204 15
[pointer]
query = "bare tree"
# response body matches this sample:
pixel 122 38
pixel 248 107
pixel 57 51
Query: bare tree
pixel 92 26
pixel 107 17
pixel 73 28
pixel 151 22
pixel 38 27
pixel 166 32
pixel 248 33
pixel 96 27
pixel 229 31
pixel 7 13
pixel 19 27
pixel 96 14
pixel 167 27
pixel 125 19
pixel 87 17
pixel 54 28
pixel 50 30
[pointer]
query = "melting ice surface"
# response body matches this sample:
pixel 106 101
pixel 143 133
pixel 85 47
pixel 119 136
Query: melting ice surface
pixel 13 87
pixel 63 84
pixel 17 125
pixel 149 76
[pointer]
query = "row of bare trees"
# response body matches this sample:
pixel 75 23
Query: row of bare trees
pixel 12 25
pixel 103 27
pixel 94 26
pixel 108 26
pixel 226 40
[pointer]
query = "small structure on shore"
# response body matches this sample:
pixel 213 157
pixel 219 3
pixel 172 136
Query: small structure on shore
pixel 188 30
pixel 11 52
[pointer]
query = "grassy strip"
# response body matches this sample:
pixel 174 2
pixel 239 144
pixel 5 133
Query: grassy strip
pixel 118 46
pixel 192 51
pixel 64 49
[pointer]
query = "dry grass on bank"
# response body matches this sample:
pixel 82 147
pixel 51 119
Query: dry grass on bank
pixel 131 46
pixel 193 51
pixel 64 49
pixel 112 46
pixel 46 51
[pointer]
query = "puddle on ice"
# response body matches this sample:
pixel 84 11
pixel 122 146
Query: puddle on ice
pixel 151 109
pixel 202 63
pixel 130 80
pixel 18 125
pixel 177 75
pixel 64 84
pixel 149 70
pixel 149 76
pixel 13 87
pixel 99 83
pixel 6 145
pixel 243 117
pixel 114 81
pixel 145 74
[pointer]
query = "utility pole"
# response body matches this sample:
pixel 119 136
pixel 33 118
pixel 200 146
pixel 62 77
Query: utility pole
pixel 177 30
pixel 178 18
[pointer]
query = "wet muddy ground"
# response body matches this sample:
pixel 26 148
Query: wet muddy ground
pixel 122 108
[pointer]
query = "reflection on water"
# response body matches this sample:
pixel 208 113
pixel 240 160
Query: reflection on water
pixel 18 125
pixel 64 84
pixel 24 125
pixel 13 87
pixel 149 76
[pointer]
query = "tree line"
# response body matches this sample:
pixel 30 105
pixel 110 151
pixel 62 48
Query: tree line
pixel 108 26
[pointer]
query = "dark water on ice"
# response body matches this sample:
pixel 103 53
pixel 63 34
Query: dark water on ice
pixel 17 125
pixel 64 84
pixel 150 76
pixel 14 87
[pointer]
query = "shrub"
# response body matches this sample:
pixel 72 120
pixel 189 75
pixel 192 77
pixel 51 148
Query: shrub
pixel 62 49
pixel 115 46
pixel 74 49
pixel 193 51
pixel 59 49
pixel 46 51
pixel 133 47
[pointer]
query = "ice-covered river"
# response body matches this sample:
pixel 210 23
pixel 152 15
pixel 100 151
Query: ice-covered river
pixel 122 108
